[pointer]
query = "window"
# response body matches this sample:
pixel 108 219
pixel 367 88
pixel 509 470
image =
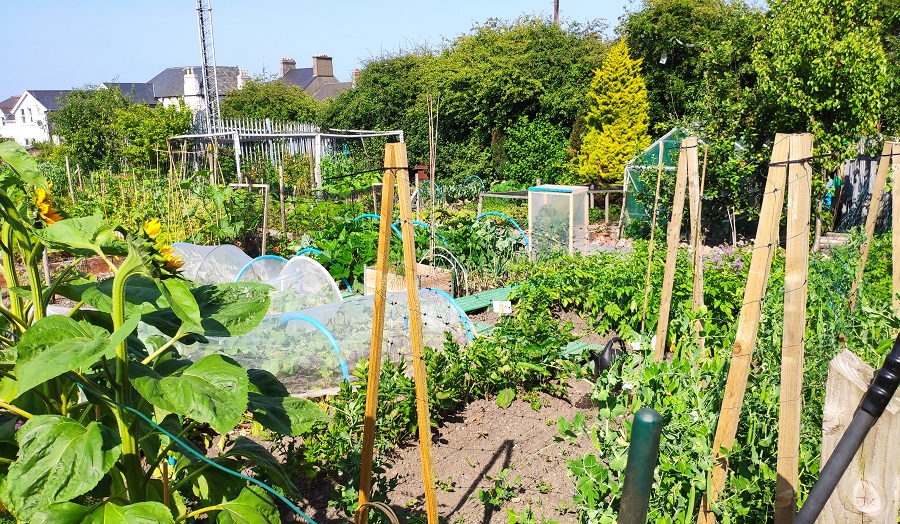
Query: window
pixel 30 116
pixel 22 112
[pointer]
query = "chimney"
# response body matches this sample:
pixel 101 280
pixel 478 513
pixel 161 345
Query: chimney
pixel 322 66
pixel 287 64
pixel 242 78
pixel 191 82
pixel 354 77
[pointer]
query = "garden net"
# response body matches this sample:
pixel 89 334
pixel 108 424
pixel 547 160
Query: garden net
pixel 211 264
pixel 312 351
pixel 299 283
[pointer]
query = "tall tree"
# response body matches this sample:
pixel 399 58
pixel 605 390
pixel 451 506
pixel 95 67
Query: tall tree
pixel 823 68
pixel 85 124
pixel 618 119
pixel 145 130
pixel 275 100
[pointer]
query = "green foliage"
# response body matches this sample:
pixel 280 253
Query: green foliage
pixel 823 73
pixel 145 130
pixel 275 100
pixel 85 122
pixel 534 150
pixel 618 119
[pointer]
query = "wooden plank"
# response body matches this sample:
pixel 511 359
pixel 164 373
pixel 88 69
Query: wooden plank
pixel 871 218
pixel 383 264
pixel 652 243
pixel 795 275
pixel 674 234
pixel 748 322
pixel 895 223
pixel 869 491
pixel 694 208
pixel 416 338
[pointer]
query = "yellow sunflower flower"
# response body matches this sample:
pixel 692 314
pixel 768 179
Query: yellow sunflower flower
pixel 43 201
pixel 152 228
pixel 173 261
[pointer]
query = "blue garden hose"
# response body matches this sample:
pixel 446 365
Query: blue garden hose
pixel 318 325
pixel 513 222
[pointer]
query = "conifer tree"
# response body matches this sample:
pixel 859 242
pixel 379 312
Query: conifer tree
pixel 618 118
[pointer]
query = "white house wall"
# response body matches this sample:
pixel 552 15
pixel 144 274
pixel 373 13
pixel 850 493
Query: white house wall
pixel 29 122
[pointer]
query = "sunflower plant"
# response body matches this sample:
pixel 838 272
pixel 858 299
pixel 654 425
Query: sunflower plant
pixel 100 418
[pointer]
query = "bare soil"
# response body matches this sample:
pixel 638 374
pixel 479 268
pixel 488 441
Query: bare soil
pixel 470 451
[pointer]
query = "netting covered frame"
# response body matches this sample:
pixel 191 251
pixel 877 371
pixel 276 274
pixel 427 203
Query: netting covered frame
pixel 575 202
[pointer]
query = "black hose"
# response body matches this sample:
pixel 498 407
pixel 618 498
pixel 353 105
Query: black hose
pixel 872 405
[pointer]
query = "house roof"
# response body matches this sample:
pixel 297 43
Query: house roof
pixel 331 90
pixel 170 82
pixel 7 105
pixel 49 98
pixel 299 77
pixel 141 93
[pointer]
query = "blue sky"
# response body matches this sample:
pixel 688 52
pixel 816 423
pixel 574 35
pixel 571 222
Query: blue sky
pixel 61 44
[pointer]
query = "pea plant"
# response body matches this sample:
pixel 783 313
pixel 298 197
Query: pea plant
pixel 102 422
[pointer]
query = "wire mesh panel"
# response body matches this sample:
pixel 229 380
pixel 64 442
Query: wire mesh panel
pixel 313 350
pixel 302 283
pixel 211 264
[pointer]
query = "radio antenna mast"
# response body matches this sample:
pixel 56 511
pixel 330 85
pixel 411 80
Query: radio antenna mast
pixel 210 87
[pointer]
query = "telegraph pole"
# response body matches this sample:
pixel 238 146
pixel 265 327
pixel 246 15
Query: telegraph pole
pixel 556 13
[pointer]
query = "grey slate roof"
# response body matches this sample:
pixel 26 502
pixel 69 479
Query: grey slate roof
pixel 141 93
pixel 299 77
pixel 331 90
pixel 49 97
pixel 170 82
pixel 7 105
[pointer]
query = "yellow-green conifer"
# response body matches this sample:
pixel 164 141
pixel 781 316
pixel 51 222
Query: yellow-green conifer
pixel 618 118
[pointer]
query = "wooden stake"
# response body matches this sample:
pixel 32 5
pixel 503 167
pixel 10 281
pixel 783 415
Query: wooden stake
pixel 652 244
pixel 665 301
pixel 415 324
pixel 796 270
pixel 69 176
pixel 748 322
pixel 281 199
pixel 895 223
pixel 382 265
pixel 696 242
pixel 871 218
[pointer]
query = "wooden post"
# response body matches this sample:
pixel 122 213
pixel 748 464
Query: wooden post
pixel 281 199
pixel 380 299
pixel 265 224
pixel 795 274
pixel 69 176
pixel 871 218
pixel 868 492
pixel 415 324
pixel 748 322
pixel 665 300
pixel 895 223
pixel 606 210
pixel 652 243
pixel 696 244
